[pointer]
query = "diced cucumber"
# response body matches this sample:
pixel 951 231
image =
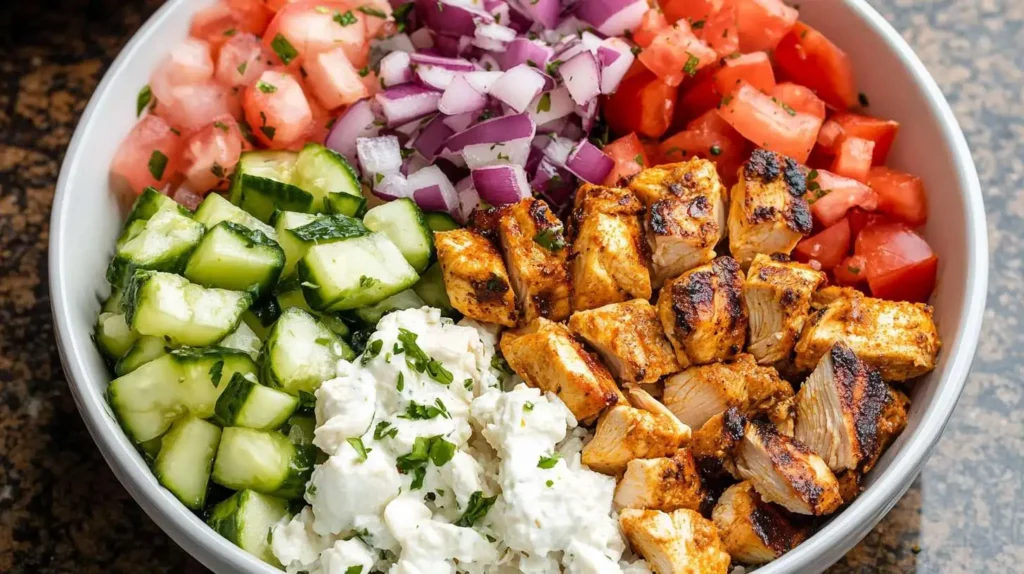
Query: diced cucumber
pixel 215 209
pixel 431 289
pixel 264 461
pixel 407 299
pixel 150 449
pixel 243 339
pixel 300 429
pixel 345 204
pixel 293 298
pixel 300 353
pixel 353 273
pixel 440 221
pixel 144 350
pixel 185 459
pixel 324 229
pixel 164 244
pixel 147 400
pixel 247 519
pixel 112 304
pixel 231 256
pixel 263 196
pixel 322 171
pixel 402 222
pixel 246 403
pixel 261 315
pixel 113 335
pixel 294 248
pixel 149 202
pixel 130 231
pixel 260 178
pixel 169 306
pixel 206 373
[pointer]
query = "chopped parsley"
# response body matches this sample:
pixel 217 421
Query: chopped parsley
pixel 400 384
pixel 476 509
pixel 552 67
pixel 364 71
pixel 366 281
pixel 853 269
pixel 528 406
pixel 420 361
pixel 698 24
pixel 498 363
pixel 284 49
pixel 221 126
pixel 216 372
pixel 550 238
pixel 544 104
pixel 372 350
pixel 361 450
pixel 230 32
pixel 784 106
pixel 418 412
pixel 550 483
pixel 143 99
pixel 715 150
pixel 265 87
pixel 468 384
pixel 346 19
pixel 503 156
pixel 401 15
pixel 384 429
pixel 692 65
pixel 157 164
pixel 357 569
pixel 548 462
pixel 372 12
pixel 425 449
pixel 639 159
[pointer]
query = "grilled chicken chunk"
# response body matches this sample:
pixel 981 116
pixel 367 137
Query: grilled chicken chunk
pixel 534 246
pixel 767 212
pixel 608 257
pixel 475 277
pixel 752 530
pixel 645 430
pixel 663 483
pixel 712 445
pixel 685 214
pixel 784 471
pixel 629 338
pixel 701 392
pixel 547 356
pixel 703 313
pixel 849 485
pixel 890 424
pixel 897 338
pixel 678 542
pixel 778 295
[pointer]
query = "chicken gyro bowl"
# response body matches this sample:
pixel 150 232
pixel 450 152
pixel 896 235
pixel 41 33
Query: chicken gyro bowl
pixel 463 286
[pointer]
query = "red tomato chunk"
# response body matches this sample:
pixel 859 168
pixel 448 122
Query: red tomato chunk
pixel 676 53
pixel 828 247
pixel 767 124
pixel 900 195
pixel 629 156
pixel 806 57
pixel 754 68
pixel 831 196
pixel 277 109
pixel 900 265
pixel 853 158
pixel 763 23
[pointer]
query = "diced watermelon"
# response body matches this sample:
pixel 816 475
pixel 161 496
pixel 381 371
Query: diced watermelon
pixel 333 80
pixel 192 106
pixel 241 60
pixel 210 154
pixel 148 156
pixel 304 29
pixel 277 109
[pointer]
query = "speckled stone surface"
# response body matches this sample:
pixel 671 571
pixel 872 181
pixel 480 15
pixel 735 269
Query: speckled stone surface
pixel 61 509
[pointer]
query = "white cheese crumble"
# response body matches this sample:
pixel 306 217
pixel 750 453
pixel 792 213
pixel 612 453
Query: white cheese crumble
pixel 433 468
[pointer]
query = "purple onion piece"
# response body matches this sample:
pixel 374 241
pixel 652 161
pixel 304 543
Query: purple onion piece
pixel 449 18
pixel 407 102
pixel 433 191
pixel 432 137
pixel 494 131
pixel 523 50
pixel 612 17
pixel 517 87
pixel 515 151
pixel 553 183
pixel 589 163
pixel 550 106
pixel 379 155
pixel 357 121
pixel 453 64
pixel 460 97
pixel 395 70
pixel 614 69
pixel 582 77
pixel 501 184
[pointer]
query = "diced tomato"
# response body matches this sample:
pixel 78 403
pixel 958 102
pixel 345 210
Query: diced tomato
pixel 651 147
pixel 832 195
pixel 697 96
pixel 309 27
pixel 713 21
pixel 192 106
pixel 241 60
pixel 708 137
pixel 754 68
pixel 882 132
pixel 900 195
pixel 650 26
pixel 210 155
pixel 901 266
pixel 690 10
pixel 851 271
pixel 827 247
pixel 277 109
pixel 807 57
pixel 323 119
pixel 148 156
pixel 676 53
pixel 861 218
pixel 765 123
pixel 629 156
pixel 800 99
pixel 642 104
pixel 829 136
pixel 763 23
pixel 853 158
pixel 333 80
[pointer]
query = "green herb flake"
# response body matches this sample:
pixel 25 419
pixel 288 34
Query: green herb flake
pixel 698 24
pixel 357 569
pixel 550 483
pixel 853 269
pixel 552 67
pixel 639 159
pixel 372 12
pixel 346 19
pixel 266 88
pixel 157 164
pixel 378 177
pixel 503 156
pixel 364 71
pixel 217 170
pixel 544 104
pixel 216 371
pixel 221 126
pixel 401 15
pixel 468 384
pixel 528 406
pixel 498 363
pixel 230 32
pixel 361 450
pixel 372 350
pixel 548 462
pixel 384 429
pixel 441 451
pixel 476 509
pixel 715 150
pixel 143 99
pixel 692 65
pixel 311 490
pixel 635 50
pixel 789 110
pixel 365 281
pixel 550 238
pixel 284 49
pixel 400 385
pixel 420 361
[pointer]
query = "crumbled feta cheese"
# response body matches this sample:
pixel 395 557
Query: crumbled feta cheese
pixel 296 545
pixel 346 555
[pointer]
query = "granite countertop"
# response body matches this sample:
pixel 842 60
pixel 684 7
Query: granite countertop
pixel 62 510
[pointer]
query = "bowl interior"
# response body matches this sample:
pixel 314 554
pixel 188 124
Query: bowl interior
pixel 86 221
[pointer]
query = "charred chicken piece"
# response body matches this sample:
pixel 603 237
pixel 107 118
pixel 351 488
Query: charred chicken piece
pixel 767 212
pixel 895 337
pixel 701 392
pixel 778 294
pixel 663 483
pixel 890 424
pixel 849 485
pixel 685 214
pixel 784 471
pixel 703 313
pixel 678 542
pixel 532 240
pixel 475 277
pixel 608 258
pixel 754 531
pixel 712 445
pixel 645 430
pixel 547 356
pixel 629 338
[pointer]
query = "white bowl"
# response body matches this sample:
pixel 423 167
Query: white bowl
pixel 86 221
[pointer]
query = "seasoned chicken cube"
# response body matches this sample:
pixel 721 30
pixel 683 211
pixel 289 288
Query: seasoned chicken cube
pixel 784 471
pixel 712 445
pixel 767 210
pixel 701 392
pixel 664 484
pixel 629 338
pixel 608 258
pixel 678 542
pixel 534 247
pixel 825 296
pixel 703 313
pixel 752 530
pixel 778 295
pixel 623 433
pixel 895 337
pixel 890 424
pixel 475 277
pixel 547 356
pixel 849 485
pixel 685 215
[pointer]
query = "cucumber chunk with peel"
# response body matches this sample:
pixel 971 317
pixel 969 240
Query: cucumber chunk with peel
pixel 264 461
pixel 185 459
pixel 247 519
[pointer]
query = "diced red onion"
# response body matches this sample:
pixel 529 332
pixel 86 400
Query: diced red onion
pixel 433 191
pixel 573 131
pixel 568 47
pixel 552 127
pixel 406 102
pixel 612 17
pixel 379 155
pixel 588 114
pixel 469 199
pixel 391 187
pixel 422 39
pixel 615 57
pixel 461 97
pixel 544 12
pixel 523 50
pixel 357 121
pixel 460 122
pixel 414 163
pixel 185 196
pixel 582 77
pixel 517 87
pixel 558 149
pixel 435 77
pixel 432 137
pixel 488 62
pixel 568 27
pixel 494 131
pixel 515 151
pixel 589 163
pixel 453 64
pixel 450 18
pixel 590 41
pixel 552 182
pixel 501 184
pixel 495 33
pixel 394 69
pixel 557 104
pixel 482 80
pixel 395 43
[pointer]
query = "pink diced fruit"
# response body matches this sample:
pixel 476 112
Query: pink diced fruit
pixel 149 156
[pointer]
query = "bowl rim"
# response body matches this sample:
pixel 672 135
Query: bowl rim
pixel 824 548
